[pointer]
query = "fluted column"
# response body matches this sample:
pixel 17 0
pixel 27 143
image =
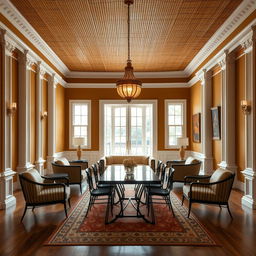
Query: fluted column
pixel 228 153
pixel 39 159
pixel 6 173
pixel 249 198
pixel 206 130
pixel 24 112
pixel 52 83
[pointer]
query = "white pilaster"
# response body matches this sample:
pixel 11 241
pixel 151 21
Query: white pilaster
pixel 249 198
pixel 228 112
pixel 206 130
pixel 39 159
pixel 6 173
pixel 24 112
pixel 51 121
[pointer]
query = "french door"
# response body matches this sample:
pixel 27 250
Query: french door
pixel 128 129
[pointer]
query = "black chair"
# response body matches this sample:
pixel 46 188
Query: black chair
pixel 99 194
pixel 163 192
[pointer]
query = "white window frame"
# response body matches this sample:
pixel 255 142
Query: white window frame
pixel 154 121
pixel 184 129
pixel 88 102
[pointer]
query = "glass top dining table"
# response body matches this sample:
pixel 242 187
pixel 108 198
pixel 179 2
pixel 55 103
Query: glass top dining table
pixel 116 174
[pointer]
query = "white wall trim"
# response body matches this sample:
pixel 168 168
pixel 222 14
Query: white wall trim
pixel 118 75
pixel 15 17
pixel 113 85
pixel 88 102
pixel 235 19
pixel 101 115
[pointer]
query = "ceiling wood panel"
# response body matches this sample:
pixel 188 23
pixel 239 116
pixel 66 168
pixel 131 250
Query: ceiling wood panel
pixel 91 35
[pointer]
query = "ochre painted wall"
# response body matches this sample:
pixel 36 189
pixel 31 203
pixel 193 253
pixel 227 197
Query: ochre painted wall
pixel 32 116
pixel 60 118
pixel 216 101
pixel 195 107
pixel 240 118
pixel 45 121
pixel 147 93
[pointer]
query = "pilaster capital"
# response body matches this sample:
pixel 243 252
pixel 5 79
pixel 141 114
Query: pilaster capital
pixel 2 36
pixel 201 76
pixel 9 48
pixel 53 80
pixel 26 60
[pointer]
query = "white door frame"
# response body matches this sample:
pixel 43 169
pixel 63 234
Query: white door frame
pixel 154 121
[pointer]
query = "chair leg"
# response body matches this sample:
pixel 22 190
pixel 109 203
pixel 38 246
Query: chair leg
pixel 65 209
pixel 107 211
pixel 183 197
pixel 81 188
pixel 189 209
pixel 229 211
pixel 88 208
pixel 24 213
pixel 170 205
pixel 69 203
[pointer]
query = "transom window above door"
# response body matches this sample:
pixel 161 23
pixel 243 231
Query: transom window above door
pixel 128 129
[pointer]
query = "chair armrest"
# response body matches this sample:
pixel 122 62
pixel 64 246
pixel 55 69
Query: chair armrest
pixel 169 163
pixel 195 178
pixel 53 179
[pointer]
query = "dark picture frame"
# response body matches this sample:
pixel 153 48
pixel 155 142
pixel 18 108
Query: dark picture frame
pixel 215 113
pixel 196 127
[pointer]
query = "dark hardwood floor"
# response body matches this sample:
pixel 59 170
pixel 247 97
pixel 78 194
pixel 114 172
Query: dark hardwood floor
pixel 237 237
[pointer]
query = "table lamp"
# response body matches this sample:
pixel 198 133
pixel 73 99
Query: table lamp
pixel 182 142
pixel 78 141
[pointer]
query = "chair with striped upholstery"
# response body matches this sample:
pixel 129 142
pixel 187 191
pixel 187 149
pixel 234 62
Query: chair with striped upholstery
pixel 37 191
pixel 214 189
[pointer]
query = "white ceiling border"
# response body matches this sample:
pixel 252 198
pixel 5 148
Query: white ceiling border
pixel 113 85
pixel 236 18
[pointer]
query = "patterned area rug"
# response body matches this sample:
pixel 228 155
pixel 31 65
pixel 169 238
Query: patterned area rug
pixel 168 230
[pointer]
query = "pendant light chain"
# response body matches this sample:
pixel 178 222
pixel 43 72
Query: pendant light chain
pixel 128 21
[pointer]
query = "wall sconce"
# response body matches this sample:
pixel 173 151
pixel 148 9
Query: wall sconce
pixel 246 107
pixel 11 109
pixel 44 115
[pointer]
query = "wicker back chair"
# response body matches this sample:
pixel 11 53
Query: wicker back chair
pixel 214 189
pixel 37 192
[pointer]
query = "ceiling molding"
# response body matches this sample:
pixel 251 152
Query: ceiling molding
pixel 17 20
pixel 193 81
pixel 112 85
pixel 164 74
pixel 235 19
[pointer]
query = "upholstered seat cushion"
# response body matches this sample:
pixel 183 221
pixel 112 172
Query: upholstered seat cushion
pixel 53 194
pixel 191 160
pixel 199 192
pixel 62 161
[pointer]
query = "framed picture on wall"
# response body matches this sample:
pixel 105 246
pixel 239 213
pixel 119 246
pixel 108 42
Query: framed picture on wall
pixel 215 123
pixel 196 127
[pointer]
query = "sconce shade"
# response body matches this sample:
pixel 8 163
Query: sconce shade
pixel 182 142
pixel 78 141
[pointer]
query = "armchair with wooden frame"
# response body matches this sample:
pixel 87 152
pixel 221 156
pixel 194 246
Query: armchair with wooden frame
pixel 75 171
pixel 214 189
pixel 39 191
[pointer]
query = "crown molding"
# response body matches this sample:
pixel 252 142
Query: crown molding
pixel 112 85
pixel 164 74
pixel 18 21
pixel 235 19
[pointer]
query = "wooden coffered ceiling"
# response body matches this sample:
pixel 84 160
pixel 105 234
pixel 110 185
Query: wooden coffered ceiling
pixel 91 35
